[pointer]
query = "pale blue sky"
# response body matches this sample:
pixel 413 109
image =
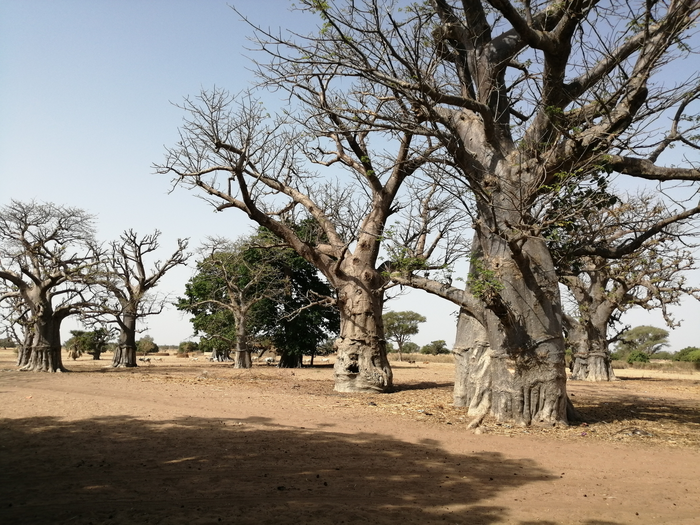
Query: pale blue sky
pixel 86 93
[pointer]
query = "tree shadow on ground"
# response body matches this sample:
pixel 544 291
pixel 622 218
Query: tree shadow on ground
pixel 198 470
pixel 595 407
pixel 424 385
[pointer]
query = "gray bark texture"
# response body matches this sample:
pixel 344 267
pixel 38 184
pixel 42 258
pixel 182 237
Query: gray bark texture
pixel 590 360
pixel 45 354
pixel 125 353
pixel 242 357
pixel 361 362
pixel 511 363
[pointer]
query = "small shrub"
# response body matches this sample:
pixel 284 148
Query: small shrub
pixel 637 356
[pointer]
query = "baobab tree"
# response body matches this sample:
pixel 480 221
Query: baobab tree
pixel 48 256
pixel 244 160
pixel 233 278
pixel 127 287
pixel 652 277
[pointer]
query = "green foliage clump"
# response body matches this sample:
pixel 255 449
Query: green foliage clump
pixel 411 348
pixel 435 348
pixel 688 354
pixel 638 356
pixel 483 283
pixel 647 339
pixel 93 343
pixel 146 345
pixel 266 289
pixel 185 347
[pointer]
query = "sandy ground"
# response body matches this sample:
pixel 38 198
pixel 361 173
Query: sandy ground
pixel 193 442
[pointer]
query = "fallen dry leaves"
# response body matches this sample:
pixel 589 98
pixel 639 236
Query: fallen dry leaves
pixel 648 411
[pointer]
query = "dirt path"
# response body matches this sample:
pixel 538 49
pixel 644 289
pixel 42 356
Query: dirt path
pixel 199 443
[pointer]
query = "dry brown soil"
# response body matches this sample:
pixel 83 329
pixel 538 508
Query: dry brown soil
pixel 193 442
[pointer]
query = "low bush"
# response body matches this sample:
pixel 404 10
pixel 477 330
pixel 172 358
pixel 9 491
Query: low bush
pixel 637 356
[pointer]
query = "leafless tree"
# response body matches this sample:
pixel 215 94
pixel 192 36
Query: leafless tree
pixel 243 159
pixel 47 258
pixel 127 287
pixel 652 277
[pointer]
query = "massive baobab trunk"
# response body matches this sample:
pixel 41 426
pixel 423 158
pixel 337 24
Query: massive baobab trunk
pixel 473 386
pixel 125 353
pixel 361 364
pixel 590 360
pixel 511 362
pixel 516 280
pixel 45 355
pixel 291 360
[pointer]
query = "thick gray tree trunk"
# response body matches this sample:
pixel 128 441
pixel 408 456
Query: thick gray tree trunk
pixel 591 356
pixel 473 368
pixel 242 358
pixel 587 337
pixel 291 360
pixel 361 364
pixel 125 353
pixel 524 329
pixel 515 362
pixel 45 355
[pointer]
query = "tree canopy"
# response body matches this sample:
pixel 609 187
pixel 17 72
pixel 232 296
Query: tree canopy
pixel 126 283
pixel 644 339
pixel 48 258
pixel 400 326
pixel 92 342
pixel 256 289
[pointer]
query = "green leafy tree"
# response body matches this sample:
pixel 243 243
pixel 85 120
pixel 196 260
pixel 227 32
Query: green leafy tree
pixel 146 345
pixel 302 316
pixel 252 289
pixel 88 342
pixel 400 326
pixel 411 348
pixel 435 348
pixel 646 339
pixel 185 347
